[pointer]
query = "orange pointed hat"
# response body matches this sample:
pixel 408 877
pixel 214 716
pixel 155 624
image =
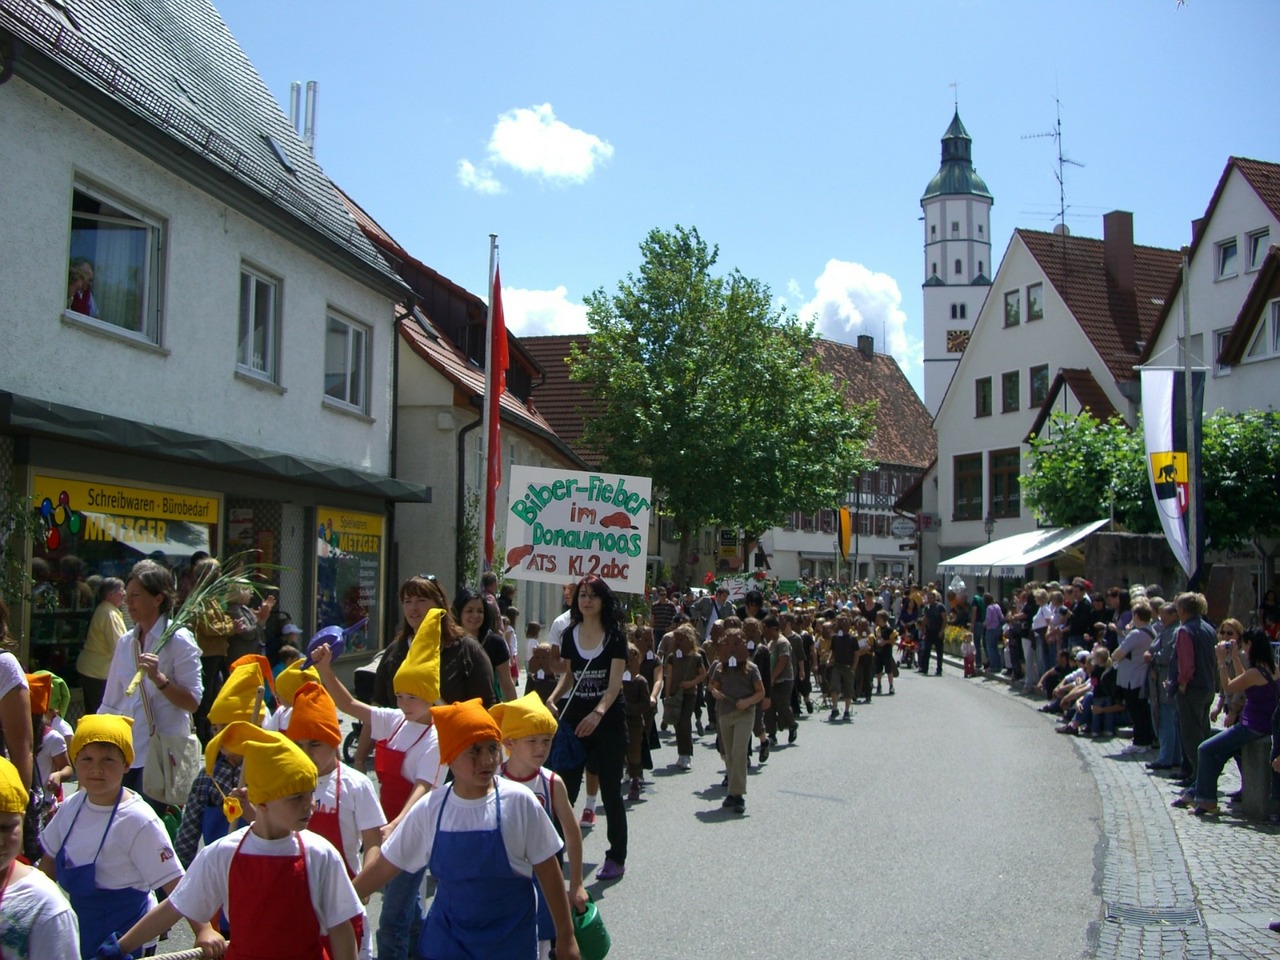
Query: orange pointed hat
pixel 314 717
pixel 40 689
pixel 459 725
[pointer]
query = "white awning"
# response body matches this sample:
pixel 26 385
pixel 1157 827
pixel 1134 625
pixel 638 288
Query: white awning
pixel 1011 556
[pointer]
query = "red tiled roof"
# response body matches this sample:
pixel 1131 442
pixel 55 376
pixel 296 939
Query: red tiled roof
pixel 1087 391
pixel 1266 287
pixel 441 354
pixel 565 403
pixel 1264 178
pixel 1114 324
pixel 904 434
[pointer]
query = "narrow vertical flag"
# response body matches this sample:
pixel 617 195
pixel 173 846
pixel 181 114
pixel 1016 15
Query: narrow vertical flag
pixel 846 531
pixel 494 388
pixel 1164 427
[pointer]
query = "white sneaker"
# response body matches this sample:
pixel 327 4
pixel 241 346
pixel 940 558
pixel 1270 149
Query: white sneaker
pixel 1134 748
pixel 684 762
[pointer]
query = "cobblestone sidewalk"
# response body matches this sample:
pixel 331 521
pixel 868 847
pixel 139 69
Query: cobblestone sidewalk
pixel 1175 885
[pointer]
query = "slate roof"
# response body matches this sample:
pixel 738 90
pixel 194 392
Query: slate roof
pixel 1113 324
pixel 1087 391
pixel 175 64
pixel 1266 287
pixel 904 430
pixel 1264 178
pixel 565 403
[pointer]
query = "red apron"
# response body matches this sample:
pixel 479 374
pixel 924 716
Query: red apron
pixel 270 904
pixel 388 764
pixel 329 825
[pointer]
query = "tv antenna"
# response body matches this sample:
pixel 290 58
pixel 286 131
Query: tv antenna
pixel 1063 161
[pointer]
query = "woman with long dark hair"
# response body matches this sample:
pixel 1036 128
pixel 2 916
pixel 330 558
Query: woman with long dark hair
pixel 595 648
pixel 479 620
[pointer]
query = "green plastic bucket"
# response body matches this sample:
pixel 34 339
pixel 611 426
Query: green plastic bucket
pixel 593 938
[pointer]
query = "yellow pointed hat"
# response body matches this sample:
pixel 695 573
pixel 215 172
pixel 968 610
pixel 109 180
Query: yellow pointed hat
pixel 104 728
pixel 264 667
pixel 13 795
pixel 291 678
pixel 525 716
pixel 239 694
pixel 419 674
pixel 274 766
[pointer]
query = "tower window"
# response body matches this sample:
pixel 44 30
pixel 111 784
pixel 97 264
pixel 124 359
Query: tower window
pixel 955 311
pixel 933 231
pixel 979 266
pixel 958 267
pixel 964 311
pixel 935 269
pixel 955 228
pixel 979 229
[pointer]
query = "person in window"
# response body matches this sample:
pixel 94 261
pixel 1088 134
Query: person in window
pixel 79 287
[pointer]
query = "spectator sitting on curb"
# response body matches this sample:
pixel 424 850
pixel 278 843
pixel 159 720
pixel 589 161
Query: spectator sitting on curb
pixel 1073 686
pixel 1097 707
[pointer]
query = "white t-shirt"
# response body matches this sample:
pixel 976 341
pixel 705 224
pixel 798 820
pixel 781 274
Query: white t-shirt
pixel 37 922
pixel 527 832
pixel 358 808
pixel 278 721
pixel 64 728
pixel 137 852
pixel 203 891
pixel 557 628
pixel 52 745
pixel 11 673
pixel 422 748
pixel 1044 614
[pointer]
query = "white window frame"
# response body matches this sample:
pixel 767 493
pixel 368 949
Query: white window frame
pixel 1220 260
pixel 1257 244
pixel 152 286
pixel 1267 335
pixel 355 332
pixel 269 369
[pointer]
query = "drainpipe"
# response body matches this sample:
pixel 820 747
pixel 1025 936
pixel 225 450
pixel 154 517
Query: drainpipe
pixel 461 488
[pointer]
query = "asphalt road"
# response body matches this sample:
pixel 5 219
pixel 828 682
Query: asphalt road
pixel 942 822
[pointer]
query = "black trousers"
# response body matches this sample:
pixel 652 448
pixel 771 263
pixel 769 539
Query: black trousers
pixel 1140 713
pixel 930 645
pixel 607 759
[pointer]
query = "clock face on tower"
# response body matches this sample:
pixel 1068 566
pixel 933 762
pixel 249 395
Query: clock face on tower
pixel 957 340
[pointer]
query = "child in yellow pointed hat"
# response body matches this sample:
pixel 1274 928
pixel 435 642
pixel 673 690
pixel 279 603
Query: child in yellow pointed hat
pixel 287 683
pixel 283 888
pixel 241 697
pixel 53 766
pixel 347 812
pixel 46 926
pixel 445 831
pixel 106 846
pixel 528 728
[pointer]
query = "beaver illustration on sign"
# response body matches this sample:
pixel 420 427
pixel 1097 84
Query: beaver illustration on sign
pixel 516 555
pixel 621 520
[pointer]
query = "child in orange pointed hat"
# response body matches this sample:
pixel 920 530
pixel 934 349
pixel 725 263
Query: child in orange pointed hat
pixel 407 761
pixel 347 812
pixel 485 839
pixel 53 766
pixel 282 888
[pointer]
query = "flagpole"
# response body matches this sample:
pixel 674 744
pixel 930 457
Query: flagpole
pixel 485 519
pixel 1193 455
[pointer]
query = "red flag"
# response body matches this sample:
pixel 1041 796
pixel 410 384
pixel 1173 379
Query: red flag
pixel 495 387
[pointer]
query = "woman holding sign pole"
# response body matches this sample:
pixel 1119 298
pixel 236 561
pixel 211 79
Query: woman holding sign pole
pixel 595 649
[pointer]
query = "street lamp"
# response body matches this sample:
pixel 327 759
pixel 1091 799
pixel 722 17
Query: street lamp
pixel 989 525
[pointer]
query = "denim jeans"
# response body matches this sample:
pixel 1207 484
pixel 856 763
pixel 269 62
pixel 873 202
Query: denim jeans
pixel 991 645
pixel 1170 742
pixel 401 920
pixel 1214 754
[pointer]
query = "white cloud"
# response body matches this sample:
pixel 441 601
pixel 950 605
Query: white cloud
pixel 532 141
pixel 531 313
pixel 850 299
pixel 480 179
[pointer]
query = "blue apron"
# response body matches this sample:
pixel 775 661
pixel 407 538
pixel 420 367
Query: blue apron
pixel 483 910
pixel 101 912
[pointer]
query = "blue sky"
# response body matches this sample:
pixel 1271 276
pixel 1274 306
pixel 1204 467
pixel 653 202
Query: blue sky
pixel 796 136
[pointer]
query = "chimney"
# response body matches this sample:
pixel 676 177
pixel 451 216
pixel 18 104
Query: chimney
pixel 295 106
pixel 1117 256
pixel 309 128
pixel 867 345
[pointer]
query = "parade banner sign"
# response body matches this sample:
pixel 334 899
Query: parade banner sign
pixel 1164 421
pixel 564 525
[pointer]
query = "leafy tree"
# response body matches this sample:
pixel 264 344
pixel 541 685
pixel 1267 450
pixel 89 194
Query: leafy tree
pixel 714 391
pixel 1081 468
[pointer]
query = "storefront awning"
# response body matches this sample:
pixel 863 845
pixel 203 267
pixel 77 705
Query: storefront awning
pixel 21 414
pixel 1011 556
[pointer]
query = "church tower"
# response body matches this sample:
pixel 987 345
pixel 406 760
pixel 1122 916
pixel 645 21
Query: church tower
pixel 957 259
